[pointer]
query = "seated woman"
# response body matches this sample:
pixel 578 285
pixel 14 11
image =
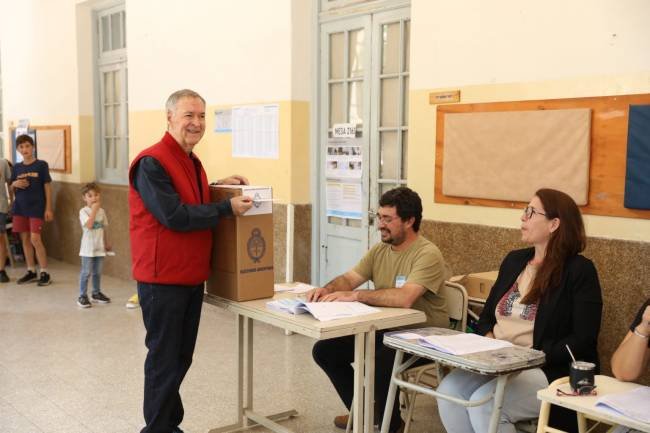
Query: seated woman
pixel 546 297
pixel 631 358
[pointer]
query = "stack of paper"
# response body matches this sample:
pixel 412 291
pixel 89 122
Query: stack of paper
pixel 322 311
pixel 462 344
pixel 292 287
pixel 633 403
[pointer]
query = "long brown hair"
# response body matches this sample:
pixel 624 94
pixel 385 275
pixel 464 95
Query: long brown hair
pixel 568 240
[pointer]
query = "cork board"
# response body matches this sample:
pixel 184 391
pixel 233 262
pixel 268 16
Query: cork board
pixel 608 132
pixel 52 144
pixel 508 155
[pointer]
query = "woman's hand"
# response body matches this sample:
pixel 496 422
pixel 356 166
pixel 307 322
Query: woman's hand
pixel 644 326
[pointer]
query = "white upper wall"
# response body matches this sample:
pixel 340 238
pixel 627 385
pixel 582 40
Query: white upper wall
pixel 231 52
pixel 302 39
pixel 467 42
pixel 39 60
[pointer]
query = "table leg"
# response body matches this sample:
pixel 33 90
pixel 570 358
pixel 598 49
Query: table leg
pixel 248 340
pixel 358 400
pixel 498 403
pixel 246 417
pixel 392 391
pixel 369 391
pixel 542 421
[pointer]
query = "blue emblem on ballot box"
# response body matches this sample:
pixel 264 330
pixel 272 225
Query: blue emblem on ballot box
pixel 256 245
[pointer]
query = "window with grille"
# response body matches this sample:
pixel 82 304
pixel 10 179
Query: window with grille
pixel 112 112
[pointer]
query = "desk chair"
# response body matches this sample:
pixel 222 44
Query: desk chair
pixel 597 423
pixel 457 308
pixel 456 297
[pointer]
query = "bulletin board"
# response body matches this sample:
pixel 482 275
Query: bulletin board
pixel 51 144
pixel 609 122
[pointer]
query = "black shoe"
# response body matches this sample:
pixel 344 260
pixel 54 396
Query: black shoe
pixel 45 279
pixel 83 302
pixel 100 298
pixel 28 277
pixel 4 278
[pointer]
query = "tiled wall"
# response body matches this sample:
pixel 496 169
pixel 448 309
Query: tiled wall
pixel 62 236
pixel 623 269
pixel 623 266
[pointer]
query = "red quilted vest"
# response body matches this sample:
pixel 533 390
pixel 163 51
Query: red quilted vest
pixel 160 255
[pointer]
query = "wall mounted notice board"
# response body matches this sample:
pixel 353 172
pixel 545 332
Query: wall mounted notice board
pixel 52 145
pixel 609 123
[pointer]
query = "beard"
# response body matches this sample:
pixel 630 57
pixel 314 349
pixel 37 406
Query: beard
pixel 391 239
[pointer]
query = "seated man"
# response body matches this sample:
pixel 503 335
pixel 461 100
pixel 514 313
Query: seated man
pixel 407 271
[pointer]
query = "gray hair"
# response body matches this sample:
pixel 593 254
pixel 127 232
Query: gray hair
pixel 184 93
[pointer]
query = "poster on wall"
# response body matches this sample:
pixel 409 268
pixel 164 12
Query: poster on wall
pixel 344 199
pixel 255 131
pixel 222 120
pixel 343 159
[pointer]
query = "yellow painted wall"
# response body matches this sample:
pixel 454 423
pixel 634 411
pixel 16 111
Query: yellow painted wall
pixel 288 175
pixel 422 136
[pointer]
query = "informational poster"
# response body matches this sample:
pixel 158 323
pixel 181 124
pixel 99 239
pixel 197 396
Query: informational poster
pixel 222 120
pixel 21 129
pixel 343 159
pixel 344 199
pixel 255 131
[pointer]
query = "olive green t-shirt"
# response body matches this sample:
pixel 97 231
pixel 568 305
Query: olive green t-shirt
pixel 422 263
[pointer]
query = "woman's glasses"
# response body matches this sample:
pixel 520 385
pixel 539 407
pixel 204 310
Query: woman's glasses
pixel 529 211
pixel 583 390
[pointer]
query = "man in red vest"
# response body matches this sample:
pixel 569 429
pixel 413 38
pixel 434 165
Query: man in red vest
pixel 171 218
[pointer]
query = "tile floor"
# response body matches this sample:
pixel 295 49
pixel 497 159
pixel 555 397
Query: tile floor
pixel 69 370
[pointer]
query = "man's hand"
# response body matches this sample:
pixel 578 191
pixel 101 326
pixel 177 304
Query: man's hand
pixel 346 296
pixel 49 215
pixel 240 204
pixel 316 294
pixel 235 179
pixel 20 183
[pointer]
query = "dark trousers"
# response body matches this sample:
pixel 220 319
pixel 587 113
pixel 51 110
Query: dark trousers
pixel 171 317
pixel 335 356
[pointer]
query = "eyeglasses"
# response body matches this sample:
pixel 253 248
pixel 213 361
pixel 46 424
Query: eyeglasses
pixel 583 390
pixel 529 211
pixel 384 219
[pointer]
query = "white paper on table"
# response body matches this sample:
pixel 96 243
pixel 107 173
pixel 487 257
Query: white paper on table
pixel 283 287
pixel 302 288
pixel 407 336
pixel 634 403
pixel 292 287
pixel 462 344
pixel 325 311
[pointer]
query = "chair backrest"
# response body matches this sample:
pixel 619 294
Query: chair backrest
pixel 456 297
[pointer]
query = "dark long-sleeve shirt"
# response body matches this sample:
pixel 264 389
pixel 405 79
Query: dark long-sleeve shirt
pixel 161 199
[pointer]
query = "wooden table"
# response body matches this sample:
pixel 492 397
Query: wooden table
pixel 585 406
pixel 362 327
pixel 500 363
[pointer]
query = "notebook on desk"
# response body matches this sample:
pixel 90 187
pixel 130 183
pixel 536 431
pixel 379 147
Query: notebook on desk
pixel 633 404
pixel 322 311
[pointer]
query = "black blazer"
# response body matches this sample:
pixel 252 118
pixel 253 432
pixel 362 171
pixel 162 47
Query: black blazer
pixel 569 314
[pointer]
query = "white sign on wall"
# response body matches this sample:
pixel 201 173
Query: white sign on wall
pixel 344 130
pixel 255 131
